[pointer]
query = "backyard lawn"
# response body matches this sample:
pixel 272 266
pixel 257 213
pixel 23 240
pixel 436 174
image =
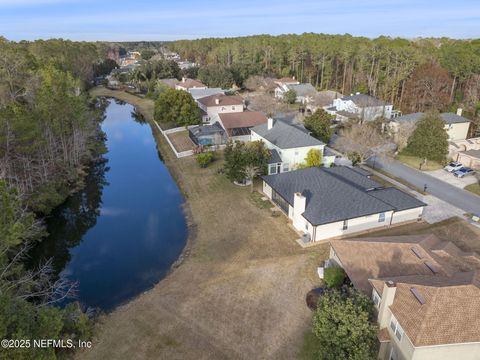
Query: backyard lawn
pixel 181 141
pixel 415 162
pixel 239 293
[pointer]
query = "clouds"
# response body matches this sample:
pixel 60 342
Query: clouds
pixel 167 20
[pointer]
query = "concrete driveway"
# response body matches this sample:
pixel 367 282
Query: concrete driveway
pixel 449 178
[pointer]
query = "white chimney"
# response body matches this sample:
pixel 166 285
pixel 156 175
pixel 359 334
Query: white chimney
pixel 293 77
pixel 299 204
pixel 388 295
pixel 351 94
pixel 459 111
pixel 217 101
pixel 357 93
pixel 270 123
pixel 184 79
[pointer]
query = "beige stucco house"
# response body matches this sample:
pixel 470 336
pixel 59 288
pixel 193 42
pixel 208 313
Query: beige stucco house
pixel 213 105
pixel 426 292
pixel 325 203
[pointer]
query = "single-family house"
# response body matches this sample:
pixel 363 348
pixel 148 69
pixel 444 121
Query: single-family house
pixel 426 294
pixel 238 125
pixel 305 92
pixel 208 134
pixel 211 106
pixel 286 81
pixel 325 203
pixel 455 124
pixel 359 106
pixel 187 84
pixel 322 99
pixel 290 143
pixel 201 93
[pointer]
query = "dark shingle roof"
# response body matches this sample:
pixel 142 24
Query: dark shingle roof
pixel 449 118
pixel 363 100
pixel 303 89
pixel 333 194
pixel 275 158
pixel 397 198
pixel 286 136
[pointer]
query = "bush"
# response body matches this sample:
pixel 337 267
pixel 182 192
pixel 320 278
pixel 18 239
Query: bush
pixel 203 159
pixel 334 277
pixel 354 157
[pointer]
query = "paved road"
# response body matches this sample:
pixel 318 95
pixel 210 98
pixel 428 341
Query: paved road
pixel 460 198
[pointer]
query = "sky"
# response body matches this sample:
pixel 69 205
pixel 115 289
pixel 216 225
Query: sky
pixel 162 20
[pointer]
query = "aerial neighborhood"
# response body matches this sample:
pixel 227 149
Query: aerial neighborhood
pixel 303 196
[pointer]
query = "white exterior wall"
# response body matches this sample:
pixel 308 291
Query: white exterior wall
pixel 363 223
pixel 213 111
pixel 367 113
pixel 267 190
pixel 458 131
pixel 293 156
pixel 243 138
pixel 407 215
pixel 448 352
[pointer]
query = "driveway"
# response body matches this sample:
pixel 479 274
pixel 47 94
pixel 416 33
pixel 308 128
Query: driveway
pixel 462 199
pixel 449 178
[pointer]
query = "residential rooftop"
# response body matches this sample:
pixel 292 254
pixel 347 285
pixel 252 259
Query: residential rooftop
pixel 190 83
pixel 338 193
pixel 448 118
pixel 363 100
pixel 245 119
pixel 221 100
pixel 201 93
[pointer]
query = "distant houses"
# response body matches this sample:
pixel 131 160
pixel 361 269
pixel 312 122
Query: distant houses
pixel 325 203
pixel 360 106
pixel 305 92
pixel 187 84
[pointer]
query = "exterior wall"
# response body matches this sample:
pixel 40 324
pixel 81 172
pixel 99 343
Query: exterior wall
pixel 367 113
pixel 457 131
pixel 448 352
pixel 469 161
pixel 267 190
pixel 213 111
pixel 363 223
pixel 180 87
pixel 243 138
pixel 407 215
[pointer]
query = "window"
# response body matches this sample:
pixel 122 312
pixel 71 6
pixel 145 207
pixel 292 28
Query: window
pixel 285 168
pixel 396 328
pixel 296 152
pixel 272 169
pixel 345 224
pixel 223 108
pixel 381 217
pixel 376 298
pixel 233 107
pixel 282 204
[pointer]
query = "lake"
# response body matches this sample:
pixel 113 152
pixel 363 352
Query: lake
pixel 119 235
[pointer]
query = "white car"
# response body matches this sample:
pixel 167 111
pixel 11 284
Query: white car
pixel 453 166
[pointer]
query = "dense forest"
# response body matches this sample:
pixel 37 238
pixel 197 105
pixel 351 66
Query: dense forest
pixel 412 74
pixel 49 136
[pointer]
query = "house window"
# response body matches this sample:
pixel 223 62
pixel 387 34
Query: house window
pixel 272 169
pixel 233 107
pixel 376 298
pixel 381 217
pixel 285 168
pixel 345 224
pixel 296 152
pixel 396 328
pixel 282 204
pixel 223 109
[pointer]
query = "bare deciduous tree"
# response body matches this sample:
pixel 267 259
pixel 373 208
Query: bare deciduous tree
pixel 402 134
pixel 251 172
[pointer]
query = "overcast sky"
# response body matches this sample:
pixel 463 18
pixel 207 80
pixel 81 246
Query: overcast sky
pixel 187 19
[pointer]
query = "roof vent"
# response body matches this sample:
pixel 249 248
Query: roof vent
pixel 432 267
pixel 417 252
pixel 418 296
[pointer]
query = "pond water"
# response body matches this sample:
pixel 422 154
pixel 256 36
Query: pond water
pixel 119 235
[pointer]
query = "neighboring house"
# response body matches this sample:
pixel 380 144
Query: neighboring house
pixel 201 93
pixel 470 158
pixel 465 150
pixel 326 203
pixel 187 84
pixel 426 293
pixel 208 134
pixel 322 99
pixel 286 81
pixel 239 124
pixel 305 92
pixel 211 106
pixel 359 106
pixel 290 142
pixel 455 124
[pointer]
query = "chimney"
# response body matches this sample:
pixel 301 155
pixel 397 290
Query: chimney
pixel 357 93
pixel 293 77
pixel 299 204
pixel 351 94
pixel 217 101
pixel 270 123
pixel 459 111
pixel 183 79
pixel 388 295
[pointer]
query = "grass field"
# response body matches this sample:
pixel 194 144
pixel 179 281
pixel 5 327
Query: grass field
pixel 415 162
pixel 239 293
pixel 474 188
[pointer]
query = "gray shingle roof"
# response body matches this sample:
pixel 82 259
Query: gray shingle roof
pixel 449 118
pixel 303 89
pixel 286 136
pixel 363 100
pixel 200 93
pixel 275 158
pixel 336 194
pixel 397 198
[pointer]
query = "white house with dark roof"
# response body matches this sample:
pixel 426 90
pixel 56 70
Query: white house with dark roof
pixel 305 92
pixel 289 143
pixel 211 106
pixel 326 203
pixel 456 125
pixel 426 293
pixel 359 106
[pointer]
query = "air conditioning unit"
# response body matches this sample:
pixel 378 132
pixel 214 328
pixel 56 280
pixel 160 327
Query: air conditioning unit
pixel 306 238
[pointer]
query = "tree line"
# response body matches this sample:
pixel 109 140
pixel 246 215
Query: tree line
pixel 408 73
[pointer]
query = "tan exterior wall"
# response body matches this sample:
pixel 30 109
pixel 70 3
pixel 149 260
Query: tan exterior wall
pixel 407 215
pixel 469 161
pixel 448 352
pixel 457 131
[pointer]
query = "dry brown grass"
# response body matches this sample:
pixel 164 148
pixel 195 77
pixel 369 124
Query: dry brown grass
pixel 240 294
pixel 181 141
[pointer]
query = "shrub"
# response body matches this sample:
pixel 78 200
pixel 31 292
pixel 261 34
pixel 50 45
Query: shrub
pixel 334 276
pixel 203 159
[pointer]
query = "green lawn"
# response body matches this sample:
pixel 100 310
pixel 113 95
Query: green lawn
pixel 415 162
pixel 474 188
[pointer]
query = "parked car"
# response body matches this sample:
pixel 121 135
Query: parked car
pixel 453 166
pixel 464 171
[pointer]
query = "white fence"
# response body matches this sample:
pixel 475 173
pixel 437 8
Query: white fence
pixel 171 131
